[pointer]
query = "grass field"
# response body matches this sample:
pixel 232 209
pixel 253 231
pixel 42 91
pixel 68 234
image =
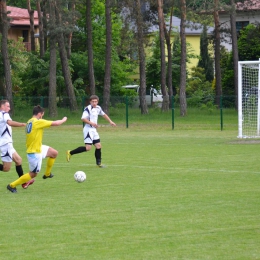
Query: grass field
pixel 190 193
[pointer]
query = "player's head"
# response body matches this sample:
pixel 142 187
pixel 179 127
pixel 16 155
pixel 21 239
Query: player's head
pixel 38 111
pixel 93 100
pixel 5 105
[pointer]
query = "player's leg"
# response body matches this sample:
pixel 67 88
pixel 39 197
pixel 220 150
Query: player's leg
pixel 88 139
pixel 18 163
pixel 51 153
pixel 6 157
pixel 98 153
pixel 35 162
pixel 19 169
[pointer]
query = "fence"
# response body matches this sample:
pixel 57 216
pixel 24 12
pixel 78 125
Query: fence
pixel 126 106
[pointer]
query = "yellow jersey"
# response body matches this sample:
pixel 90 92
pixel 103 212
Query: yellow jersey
pixel 34 134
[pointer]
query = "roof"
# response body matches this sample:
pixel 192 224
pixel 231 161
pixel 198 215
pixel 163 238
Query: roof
pixel 20 16
pixel 251 5
pixel 191 28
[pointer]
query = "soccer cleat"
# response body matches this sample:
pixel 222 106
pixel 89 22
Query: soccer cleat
pixel 28 183
pixel 13 190
pixel 68 155
pixel 98 162
pixel 50 176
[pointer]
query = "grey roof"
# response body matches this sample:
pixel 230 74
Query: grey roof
pixel 191 28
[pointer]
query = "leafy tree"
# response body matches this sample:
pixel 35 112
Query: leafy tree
pixel 227 79
pixel 205 61
pixel 153 70
pixel 4 24
pixel 249 43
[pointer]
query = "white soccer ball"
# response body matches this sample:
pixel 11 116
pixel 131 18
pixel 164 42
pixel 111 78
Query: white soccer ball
pixel 80 176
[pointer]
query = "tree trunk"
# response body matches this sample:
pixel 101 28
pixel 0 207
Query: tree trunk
pixel 169 52
pixel 91 74
pixel 165 103
pixel 44 25
pixel 41 34
pixel 6 61
pixel 183 100
pixel 217 54
pixel 65 64
pixel 31 14
pixel 53 112
pixel 107 80
pixel 234 48
pixel 70 33
pixel 140 41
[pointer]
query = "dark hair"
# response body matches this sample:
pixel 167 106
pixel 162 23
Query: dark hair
pixel 3 101
pixel 93 97
pixel 37 109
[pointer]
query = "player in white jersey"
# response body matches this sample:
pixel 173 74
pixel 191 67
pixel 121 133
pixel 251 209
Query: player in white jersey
pixel 8 153
pixel 90 134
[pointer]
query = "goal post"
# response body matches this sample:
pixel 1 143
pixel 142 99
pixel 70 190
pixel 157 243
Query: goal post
pixel 248 99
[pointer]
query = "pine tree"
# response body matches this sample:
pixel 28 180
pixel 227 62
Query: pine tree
pixel 205 61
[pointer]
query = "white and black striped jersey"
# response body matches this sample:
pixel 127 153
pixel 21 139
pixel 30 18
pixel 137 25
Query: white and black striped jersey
pixel 92 113
pixel 5 129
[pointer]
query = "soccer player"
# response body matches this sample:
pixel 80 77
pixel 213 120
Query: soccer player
pixel 90 134
pixel 8 153
pixel 36 151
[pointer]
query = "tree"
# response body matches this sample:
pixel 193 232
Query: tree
pixel 31 14
pixel 141 52
pixel 234 48
pixel 165 104
pixel 183 101
pixel 91 73
pixel 41 32
pixel 53 61
pixel 107 80
pixel 4 48
pixel 63 58
pixel 167 34
pixel 217 53
pixel 248 43
pixel 205 61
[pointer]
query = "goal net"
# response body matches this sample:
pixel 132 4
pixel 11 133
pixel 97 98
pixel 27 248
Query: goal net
pixel 248 96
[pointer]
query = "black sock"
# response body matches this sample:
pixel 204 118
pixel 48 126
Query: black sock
pixel 80 149
pixel 98 156
pixel 1 167
pixel 19 170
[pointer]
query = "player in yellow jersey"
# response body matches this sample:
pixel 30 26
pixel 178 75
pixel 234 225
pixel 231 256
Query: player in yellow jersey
pixel 36 151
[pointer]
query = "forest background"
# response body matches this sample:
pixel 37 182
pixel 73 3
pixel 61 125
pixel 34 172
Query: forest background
pixel 93 47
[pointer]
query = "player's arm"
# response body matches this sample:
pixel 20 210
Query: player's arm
pixel 15 124
pixel 86 121
pixel 59 122
pixel 109 120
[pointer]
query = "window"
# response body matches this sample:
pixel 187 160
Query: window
pixel 241 25
pixel 25 36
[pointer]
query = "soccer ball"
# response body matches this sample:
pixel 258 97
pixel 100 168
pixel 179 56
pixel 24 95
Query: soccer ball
pixel 80 176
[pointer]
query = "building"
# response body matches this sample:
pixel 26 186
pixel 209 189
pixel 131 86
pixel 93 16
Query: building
pixel 246 13
pixel 20 25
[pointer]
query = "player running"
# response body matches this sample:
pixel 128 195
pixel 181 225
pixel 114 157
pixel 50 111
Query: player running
pixel 36 151
pixel 90 134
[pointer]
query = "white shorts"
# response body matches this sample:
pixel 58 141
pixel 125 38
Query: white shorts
pixel 35 159
pixel 7 152
pixel 90 135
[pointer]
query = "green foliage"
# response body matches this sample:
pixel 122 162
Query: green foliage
pixel 227 79
pixel 18 60
pixel 153 65
pixel 249 43
pixel 205 61
pixel 198 89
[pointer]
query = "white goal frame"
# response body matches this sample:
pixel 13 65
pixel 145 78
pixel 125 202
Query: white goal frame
pixel 248 99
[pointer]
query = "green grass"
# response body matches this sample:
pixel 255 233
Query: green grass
pixel 190 193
